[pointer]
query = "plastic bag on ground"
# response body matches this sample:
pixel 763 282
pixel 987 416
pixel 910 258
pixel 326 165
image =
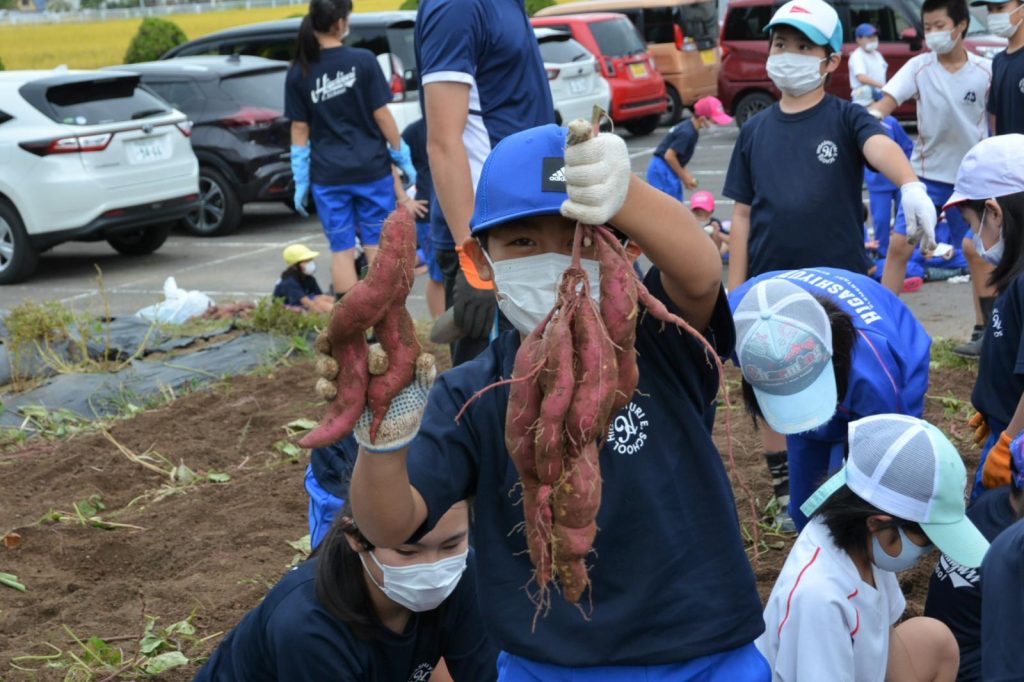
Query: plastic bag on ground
pixel 178 305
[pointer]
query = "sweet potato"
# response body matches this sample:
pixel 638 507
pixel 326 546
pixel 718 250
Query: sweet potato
pixel 345 409
pixel 537 513
pixel 572 543
pixel 396 335
pixel 578 496
pixel 619 292
pixel 523 410
pixel 550 441
pixel 597 376
pixel 572 574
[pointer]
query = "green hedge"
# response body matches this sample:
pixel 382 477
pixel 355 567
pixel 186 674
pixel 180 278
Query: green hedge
pixel 155 37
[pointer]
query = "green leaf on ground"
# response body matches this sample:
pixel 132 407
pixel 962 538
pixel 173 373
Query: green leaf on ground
pixel 11 580
pixel 287 448
pixel 164 662
pixel 217 477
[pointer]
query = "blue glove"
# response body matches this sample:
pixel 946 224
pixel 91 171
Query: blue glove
pixel 300 174
pixel 403 159
pixel 877 94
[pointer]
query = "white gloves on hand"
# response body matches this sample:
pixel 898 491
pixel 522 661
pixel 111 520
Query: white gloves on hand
pixel 402 422
pixel 920 215
pixel 597 177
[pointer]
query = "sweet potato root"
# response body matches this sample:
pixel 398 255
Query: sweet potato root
pixel 345 409
pixel 396 335
pixel 577 497
pixel 597 374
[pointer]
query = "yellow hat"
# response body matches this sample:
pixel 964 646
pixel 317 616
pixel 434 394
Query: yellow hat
pixel 297 253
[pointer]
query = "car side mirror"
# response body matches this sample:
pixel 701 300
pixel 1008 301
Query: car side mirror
pixel 911 37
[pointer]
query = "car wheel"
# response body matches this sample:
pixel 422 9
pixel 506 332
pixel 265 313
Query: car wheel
pixel 18 258
pixel 750 105
pixel 143 241
pixel 674 113
pixel 220 213
pixel 642 126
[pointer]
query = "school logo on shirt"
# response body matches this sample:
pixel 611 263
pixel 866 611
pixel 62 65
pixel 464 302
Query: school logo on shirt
pixel 828 152
pixel 1021 86
pixel 971 97
pixel 628 431
pixel 328 88
pixel 959 576
pixel 421 673
pixel 997 324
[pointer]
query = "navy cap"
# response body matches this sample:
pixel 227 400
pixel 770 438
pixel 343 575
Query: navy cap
pixel 865 30
pixel 523 176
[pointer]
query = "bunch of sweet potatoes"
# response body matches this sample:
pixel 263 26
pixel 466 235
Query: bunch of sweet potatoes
pixel 354 375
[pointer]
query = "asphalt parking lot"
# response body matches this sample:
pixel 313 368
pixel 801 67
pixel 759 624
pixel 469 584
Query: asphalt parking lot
pixel 245 266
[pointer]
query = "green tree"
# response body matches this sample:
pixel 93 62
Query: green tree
pixel 532 6
pixel 2 67
pixel 410 4
pixel 155 37
pixel 8 4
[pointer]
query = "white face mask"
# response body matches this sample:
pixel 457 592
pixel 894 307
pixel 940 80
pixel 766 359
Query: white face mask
pixel 1000 25
pixel 308 268
pixel 527 288
pixel 993 254
pixel 872 46
pixel 419 587
pixel 940 42
pixel 795 74
pixel 908 557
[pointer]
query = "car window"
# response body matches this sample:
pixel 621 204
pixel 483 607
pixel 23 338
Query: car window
pixel 91 102
pixel 747 23
pixel 281 48
pixel 555 51
pixel 700 23
pixel 617 38
pixel 264 89
pixel 880 16
pixel 183 95
pixel 659 26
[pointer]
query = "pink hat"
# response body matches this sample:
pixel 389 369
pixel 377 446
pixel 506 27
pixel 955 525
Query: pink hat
pixel 703 200
pixel 713 109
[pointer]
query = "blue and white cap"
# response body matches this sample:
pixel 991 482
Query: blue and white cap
pixel 784 348
pixel 523 176
pixel 816 19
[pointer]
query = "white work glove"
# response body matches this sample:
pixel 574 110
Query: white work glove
pixel 596 179
pixel 402 422
pixel 920 215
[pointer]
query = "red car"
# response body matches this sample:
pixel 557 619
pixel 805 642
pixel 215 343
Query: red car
pixel 638 90
pixel 743 83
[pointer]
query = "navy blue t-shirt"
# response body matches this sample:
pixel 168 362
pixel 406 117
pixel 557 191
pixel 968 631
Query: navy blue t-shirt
pixel 490 46
pixel 1000 382
pixel 337 99
pixel 954 593
pixel 1002 603
pixel 682 139
pixel 415 135
pixel 670 579
pixel 801 174
pixel 291 636
pixel 295 288
pixel 1006 96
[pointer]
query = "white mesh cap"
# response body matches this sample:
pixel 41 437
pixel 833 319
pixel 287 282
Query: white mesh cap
pixel 784 349
pixel 907 468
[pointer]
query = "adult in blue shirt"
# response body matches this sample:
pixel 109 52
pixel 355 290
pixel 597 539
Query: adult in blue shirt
pixel 482 79
pixel 820 348
pixel 360 613
pixel 667 512
pixel 336 97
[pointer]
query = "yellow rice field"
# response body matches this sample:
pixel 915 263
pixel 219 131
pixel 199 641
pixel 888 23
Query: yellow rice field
pixel 90 45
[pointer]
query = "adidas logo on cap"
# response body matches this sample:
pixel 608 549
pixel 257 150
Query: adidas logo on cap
pixel 558 175
pixel 552 177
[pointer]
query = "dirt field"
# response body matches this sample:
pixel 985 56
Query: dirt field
pixel 211 550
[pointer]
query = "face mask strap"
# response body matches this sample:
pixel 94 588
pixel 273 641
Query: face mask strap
pixel 362 559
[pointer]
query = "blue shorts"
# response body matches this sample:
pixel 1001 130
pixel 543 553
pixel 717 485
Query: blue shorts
pixel 350 211
pixel 939 193
pixel 745 664
pixel 661 175
pixel 323 507
pixel 426 243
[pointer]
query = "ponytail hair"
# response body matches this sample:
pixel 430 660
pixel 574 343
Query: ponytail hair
pixel 340 585
pixel 322 15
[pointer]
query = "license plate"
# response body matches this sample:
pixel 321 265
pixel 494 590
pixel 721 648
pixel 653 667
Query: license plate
pixel 639 70
pixel 578 86
pixel 708 57
pixel 147 150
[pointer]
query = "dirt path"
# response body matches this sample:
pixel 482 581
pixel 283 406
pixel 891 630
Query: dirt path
pixel 213 549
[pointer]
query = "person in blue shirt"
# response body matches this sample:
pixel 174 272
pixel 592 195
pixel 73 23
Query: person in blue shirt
pixel 415 135
pixel 361 613
pixel 482 79
pixel 298 287
pixel 344 139
pixel 654 610
pixel 327 480
pixel 946 261
pixel 797 169
pixel 883 195
pixel 667 170
pixel 819 348
pixel 1005 104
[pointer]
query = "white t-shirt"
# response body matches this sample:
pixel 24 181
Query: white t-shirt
pixel 870 64
pixel 823 622
pixel 950 111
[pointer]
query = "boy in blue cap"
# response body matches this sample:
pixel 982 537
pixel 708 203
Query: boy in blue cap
pixel 655 611
pixel 868 68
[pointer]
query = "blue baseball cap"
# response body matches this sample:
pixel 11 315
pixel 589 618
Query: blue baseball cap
pixel 816 19
pixel 523 176
pixel 865 30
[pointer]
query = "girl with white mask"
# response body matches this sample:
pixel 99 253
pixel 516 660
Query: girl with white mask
pixel 298 287
pixel 361 613
pixel 990 193
pixel 833 611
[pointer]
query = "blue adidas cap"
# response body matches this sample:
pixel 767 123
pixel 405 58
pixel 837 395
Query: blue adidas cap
pixel 524 176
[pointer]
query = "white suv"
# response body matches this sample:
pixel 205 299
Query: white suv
pixel 85 156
